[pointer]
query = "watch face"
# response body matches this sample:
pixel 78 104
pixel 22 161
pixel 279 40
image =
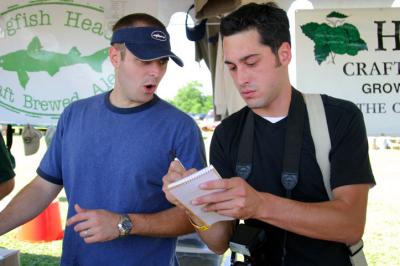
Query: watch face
pixel 125 225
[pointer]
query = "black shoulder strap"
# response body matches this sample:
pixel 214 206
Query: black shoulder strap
pixel 293 141
pixel 245 152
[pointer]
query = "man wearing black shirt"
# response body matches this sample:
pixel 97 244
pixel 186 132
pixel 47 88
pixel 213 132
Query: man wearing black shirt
pixel 307 228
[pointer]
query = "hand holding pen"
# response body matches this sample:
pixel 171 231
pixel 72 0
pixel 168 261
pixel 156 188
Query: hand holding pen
pixel 176 171
pixel 174 158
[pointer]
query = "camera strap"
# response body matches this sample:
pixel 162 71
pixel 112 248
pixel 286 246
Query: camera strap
pixel 292 150
pixel 245 153
pixel 293 141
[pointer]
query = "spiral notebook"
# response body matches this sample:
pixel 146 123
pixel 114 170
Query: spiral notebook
pixel 187 189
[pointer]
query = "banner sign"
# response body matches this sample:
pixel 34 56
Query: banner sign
pixel 353 54
pixel 51 54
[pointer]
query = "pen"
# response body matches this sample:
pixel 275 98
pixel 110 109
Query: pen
pixel 175 158
pixel 180 163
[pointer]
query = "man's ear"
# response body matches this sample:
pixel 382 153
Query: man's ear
pixel 115 56
pixel 285 53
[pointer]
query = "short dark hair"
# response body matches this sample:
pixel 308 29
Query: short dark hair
pixel 268 19
pixel 133 20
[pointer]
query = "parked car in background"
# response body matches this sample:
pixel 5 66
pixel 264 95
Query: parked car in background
pixel 208 123
pixel 197 116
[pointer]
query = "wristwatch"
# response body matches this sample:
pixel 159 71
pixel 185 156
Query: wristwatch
pixel 125 225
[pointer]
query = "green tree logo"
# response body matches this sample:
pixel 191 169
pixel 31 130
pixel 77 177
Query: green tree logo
pixel 333 38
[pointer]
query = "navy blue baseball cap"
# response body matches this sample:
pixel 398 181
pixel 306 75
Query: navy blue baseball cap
pixel 146 43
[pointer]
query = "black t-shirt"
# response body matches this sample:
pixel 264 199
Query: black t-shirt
pixel 349 165
pixel 6 170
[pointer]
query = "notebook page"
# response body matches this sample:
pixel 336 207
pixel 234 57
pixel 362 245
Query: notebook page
pixel 187 189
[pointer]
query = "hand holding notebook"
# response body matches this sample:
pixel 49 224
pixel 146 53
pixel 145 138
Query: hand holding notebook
pixel 187 189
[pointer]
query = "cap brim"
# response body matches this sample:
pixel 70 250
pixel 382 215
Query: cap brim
pixel 150 52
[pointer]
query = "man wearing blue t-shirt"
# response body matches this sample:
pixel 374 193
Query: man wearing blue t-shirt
pixel 110 152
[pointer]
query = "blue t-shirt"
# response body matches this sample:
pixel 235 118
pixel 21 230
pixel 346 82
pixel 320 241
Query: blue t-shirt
pixel 114 159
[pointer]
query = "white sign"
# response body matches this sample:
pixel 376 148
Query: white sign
pixel 353 54
pixel 51 54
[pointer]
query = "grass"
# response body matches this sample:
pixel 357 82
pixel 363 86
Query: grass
pixel 36 253
pixel 382 233
pixel 381 238
pixel 33 253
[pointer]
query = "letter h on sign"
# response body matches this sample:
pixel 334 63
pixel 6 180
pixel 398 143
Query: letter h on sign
pixel 380 36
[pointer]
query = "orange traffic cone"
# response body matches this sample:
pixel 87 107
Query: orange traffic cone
pixel 43 228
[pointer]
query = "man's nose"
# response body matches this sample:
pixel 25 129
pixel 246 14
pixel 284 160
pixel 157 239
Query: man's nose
pixel 242 77
pixel 155 68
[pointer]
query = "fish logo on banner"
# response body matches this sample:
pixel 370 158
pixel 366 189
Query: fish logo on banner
pixel 35 59
pixel 51 54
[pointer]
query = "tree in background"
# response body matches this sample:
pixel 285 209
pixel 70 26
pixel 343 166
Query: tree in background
pixel 190 99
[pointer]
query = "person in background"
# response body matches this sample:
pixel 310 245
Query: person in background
pixel 306 228
pixel 110 152
pixel 6 170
